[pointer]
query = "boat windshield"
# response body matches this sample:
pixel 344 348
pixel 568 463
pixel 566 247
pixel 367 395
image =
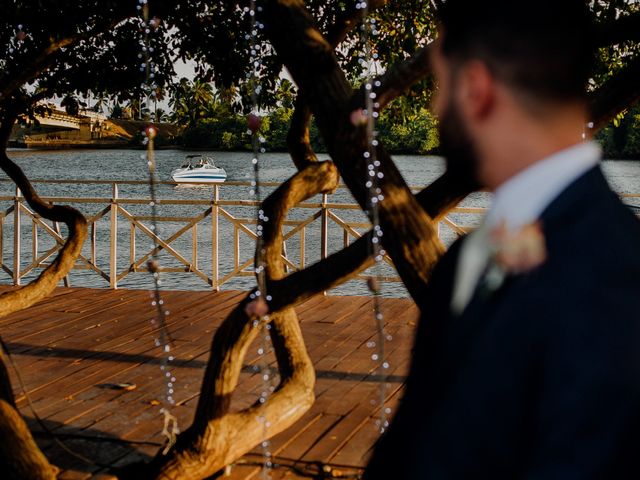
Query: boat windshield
pixel 205 163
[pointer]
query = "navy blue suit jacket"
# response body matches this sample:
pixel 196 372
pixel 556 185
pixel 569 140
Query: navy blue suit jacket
pixel 540 380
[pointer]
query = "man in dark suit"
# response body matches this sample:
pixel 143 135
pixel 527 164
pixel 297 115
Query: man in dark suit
pixel 527 364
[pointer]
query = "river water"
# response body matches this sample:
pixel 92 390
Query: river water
pixel 125 165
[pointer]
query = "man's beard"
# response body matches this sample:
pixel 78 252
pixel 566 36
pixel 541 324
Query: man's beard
pixel 458 148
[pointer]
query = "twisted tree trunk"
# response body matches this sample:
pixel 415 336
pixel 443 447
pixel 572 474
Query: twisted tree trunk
pixel 20 457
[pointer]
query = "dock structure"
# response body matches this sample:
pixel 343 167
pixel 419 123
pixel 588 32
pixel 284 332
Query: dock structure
pixel 92 372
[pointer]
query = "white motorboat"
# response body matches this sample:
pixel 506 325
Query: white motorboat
pixel 199 169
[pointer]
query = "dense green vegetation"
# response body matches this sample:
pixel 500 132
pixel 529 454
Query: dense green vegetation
pixel 228 132
pixel 416 135
pixel 213 120
pixel 210 119
pixel 621 138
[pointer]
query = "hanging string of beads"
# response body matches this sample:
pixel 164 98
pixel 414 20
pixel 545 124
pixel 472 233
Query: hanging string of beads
pixel 368 117
pixel 159 321
pixel 257 141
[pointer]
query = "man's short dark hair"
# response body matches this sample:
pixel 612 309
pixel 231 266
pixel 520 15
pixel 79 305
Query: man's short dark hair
pixel 543 48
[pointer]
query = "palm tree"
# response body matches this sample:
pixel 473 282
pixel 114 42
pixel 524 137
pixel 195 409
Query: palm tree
pixel 134 107
pixel 191 101
pixel 101 102
pixel 116 111
pixel 160 116
pixel 70 104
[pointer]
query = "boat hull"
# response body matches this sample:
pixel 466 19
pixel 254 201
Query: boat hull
pixel 199 179
pixel 196 176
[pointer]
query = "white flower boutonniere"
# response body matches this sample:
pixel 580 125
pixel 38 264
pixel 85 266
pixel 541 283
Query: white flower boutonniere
pixel 514 253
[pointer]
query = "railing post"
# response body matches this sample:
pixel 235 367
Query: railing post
pixel 324 235
pixel 215 211
pixel 2 216
pixel 194 246
pixel 284 254
pixel 132 244
pixel 93 243
pixel 113 255
pixel 302 247
pixel 236 247
pixel 34 242
pixel 56 227
pixel 16 237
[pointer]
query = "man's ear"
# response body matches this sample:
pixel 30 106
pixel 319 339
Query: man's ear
pixel 477 90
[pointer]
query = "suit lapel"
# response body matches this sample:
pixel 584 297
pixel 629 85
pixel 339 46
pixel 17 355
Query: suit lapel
pixel 460 330
pixel 590 185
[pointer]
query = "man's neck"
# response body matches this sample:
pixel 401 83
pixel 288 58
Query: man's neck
pixel 522 198
pixel 518 141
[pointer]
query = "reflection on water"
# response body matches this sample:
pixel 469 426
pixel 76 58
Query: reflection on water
pixel 124 165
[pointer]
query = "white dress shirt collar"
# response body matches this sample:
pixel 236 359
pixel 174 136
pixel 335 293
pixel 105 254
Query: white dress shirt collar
pixel 522 198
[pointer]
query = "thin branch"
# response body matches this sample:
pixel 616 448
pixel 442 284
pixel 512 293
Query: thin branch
pixel 34 65
pixel 348 19
pixel 397 79
pixel 236 332
pixel 324 275
pixel 437 4
pixel 23 457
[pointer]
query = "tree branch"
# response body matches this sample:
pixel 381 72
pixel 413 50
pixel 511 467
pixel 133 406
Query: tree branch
pixel 437 199
pixel 20 456
pixel 217 437
pixel 34 66
pixel 409 235
pixel 35 63
pixel 348 19
pixel 298 141
pixel 397 79
pixel 6 391
pixel 19 299
pixel 319 177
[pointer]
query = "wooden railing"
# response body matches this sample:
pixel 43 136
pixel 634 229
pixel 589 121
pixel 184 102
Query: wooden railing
pixel 214 260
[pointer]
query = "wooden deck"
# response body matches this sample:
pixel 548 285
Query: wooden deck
pixel 73 347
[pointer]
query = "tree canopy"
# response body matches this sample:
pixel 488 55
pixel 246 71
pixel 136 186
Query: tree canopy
pixel 64 48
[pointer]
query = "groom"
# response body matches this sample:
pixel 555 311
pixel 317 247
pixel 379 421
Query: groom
pixel 527 363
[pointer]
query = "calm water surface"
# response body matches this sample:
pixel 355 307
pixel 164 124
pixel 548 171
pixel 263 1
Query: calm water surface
pixel 118 165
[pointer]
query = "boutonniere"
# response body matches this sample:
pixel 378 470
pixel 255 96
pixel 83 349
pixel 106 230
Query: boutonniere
pixel 514 252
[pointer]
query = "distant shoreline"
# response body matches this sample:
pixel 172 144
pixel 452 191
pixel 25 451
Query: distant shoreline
pixel 128 146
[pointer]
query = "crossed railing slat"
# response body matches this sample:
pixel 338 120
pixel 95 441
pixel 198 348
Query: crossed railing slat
pixel 215 210
pixel 163 245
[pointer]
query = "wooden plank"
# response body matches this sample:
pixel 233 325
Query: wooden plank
pixel 77 339
pixel 357 450
pixel 90 362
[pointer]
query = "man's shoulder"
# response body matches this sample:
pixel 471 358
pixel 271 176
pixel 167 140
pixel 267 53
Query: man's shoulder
pixel 589 215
